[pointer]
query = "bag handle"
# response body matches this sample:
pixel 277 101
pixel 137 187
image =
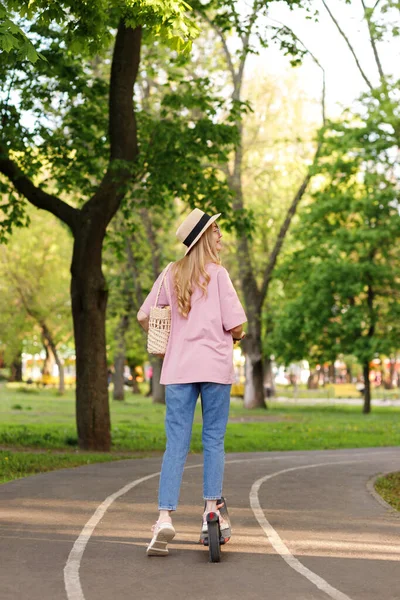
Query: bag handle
pixel 162 281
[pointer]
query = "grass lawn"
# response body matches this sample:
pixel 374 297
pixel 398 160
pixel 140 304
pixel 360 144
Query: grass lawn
pixel 14 465
pixel 389 488
pixel 39 419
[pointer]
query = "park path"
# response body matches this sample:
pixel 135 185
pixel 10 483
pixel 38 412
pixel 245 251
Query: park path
pixel 305 527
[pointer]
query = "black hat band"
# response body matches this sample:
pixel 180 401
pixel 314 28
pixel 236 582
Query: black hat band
pixel 196 230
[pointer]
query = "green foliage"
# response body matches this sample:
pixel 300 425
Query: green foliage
pixel 341 279
pixel 65 102
pixel 88 25
pixel 34 286
pixel 13 38
pixel 184 156
pixel 384 20
pixel 55 112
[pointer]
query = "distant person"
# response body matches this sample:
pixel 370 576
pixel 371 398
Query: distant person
pixel 206 315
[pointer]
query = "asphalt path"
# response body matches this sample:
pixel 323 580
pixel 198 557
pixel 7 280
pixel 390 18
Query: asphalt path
pixel 305 526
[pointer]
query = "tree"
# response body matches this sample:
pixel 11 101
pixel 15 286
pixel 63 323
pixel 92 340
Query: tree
pixel 35 277
pixel 229 20
pixel 341 282
pixel 70 34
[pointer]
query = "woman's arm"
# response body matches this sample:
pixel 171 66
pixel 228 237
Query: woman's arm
pixel 231 308
pixel 237 332
pixel 143 320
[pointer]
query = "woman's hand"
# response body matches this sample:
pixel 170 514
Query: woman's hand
pixel 239 339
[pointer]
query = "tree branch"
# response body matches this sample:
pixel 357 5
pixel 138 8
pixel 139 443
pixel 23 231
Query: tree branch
pixel 344 36
pixel 221 36
pixel 245 41
pixel 283 231
pixel 298 196
pixel 373 44
pixel 155 250
pixel 374 6
pixel 36 195
pixel 135 273
pixel 323 103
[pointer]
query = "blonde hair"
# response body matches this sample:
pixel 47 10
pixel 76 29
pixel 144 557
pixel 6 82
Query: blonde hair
pixel 188 272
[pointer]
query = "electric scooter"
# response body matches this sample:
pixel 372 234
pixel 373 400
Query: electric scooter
pixel 214 538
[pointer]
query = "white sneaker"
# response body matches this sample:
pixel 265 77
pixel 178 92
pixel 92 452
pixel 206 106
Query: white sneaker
pixel 163 533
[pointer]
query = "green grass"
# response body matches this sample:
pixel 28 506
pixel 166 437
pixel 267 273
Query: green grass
pixel 14 465
pixel 388 487
pixel 42 420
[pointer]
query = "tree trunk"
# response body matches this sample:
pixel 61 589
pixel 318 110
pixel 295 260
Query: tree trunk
pixel 16 369
pixel 269 382
pixel 392 366
pixel 332 373
pixel 61 380
pixel 371 332
pixel 158 388
pixel 51 351
pixel 313 380
pixel 89 300
pixel 49 359
pixel 254 367
pixel 118 377
pixel 119 358
pixel 254 389
pixel 367 389
pixel 135 386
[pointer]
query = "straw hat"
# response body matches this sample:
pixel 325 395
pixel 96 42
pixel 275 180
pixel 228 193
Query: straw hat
pixel 193 227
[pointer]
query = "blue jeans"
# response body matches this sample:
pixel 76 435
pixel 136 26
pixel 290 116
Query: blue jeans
pixel 181 402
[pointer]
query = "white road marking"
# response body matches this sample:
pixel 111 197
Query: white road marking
pixel 71 570
pixel 72 581
pixel 277 542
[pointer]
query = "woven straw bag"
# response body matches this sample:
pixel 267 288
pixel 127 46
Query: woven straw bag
pixel 159 323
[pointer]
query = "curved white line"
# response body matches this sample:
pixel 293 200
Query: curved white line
pixel 71 570
pixel 277 542
pixel 72 582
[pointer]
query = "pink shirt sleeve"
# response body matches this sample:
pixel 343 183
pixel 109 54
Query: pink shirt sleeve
pixel 232 312
pixel 151 298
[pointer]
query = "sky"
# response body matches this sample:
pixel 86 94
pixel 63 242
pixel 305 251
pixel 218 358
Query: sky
pixel 343 79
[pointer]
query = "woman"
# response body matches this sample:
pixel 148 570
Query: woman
pixel 206 315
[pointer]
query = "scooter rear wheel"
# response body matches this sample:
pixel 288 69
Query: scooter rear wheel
pixel 214 548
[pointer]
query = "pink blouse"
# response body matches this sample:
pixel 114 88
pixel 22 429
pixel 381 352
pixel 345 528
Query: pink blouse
pixel 200 347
